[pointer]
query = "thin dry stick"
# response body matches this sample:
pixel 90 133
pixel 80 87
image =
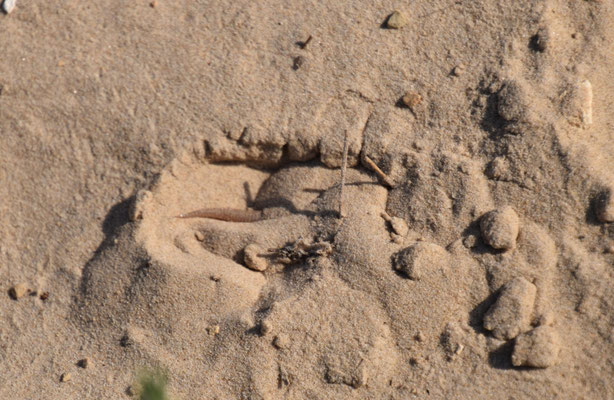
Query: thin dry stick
pixel 344 162
pixel 379 172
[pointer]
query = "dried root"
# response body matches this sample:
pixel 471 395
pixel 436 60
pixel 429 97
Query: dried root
pixel 225 214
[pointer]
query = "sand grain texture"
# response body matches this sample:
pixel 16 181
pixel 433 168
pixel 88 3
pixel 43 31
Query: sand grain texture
pixel 130 114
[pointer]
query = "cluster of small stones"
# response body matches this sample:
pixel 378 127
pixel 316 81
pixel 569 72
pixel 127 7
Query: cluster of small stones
pixel 510 316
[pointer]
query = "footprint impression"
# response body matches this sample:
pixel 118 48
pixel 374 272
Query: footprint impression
pixel 293 296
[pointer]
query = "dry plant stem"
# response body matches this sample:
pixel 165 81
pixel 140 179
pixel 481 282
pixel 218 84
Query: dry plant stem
pixel 344 163
pixel 379 172
pixel 225 214
pixel 306 42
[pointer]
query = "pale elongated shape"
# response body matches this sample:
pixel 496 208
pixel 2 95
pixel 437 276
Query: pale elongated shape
pixel 586 102
pixel 8 6
pixel 225 214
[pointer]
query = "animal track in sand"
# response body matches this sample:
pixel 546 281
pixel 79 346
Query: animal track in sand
pixel 283 250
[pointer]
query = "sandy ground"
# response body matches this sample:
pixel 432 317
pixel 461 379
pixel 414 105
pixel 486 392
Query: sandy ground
pixel 482 270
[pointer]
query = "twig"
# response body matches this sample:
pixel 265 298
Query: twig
pixel 379 172
pixel 344 162
pixel 304 44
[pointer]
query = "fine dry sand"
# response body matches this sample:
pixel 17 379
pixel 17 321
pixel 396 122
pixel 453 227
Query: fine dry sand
pixel 483 268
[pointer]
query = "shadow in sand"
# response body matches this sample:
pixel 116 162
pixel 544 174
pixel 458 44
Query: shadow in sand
pixel 476 315
pixel 501 357
pixel 591 211
pixel 117 217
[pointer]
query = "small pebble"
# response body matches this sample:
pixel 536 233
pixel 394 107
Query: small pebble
pixel 213 330
pixel 84 363
pixel 44 296
pixel 265 327
pixel 281 341
pixel 511 313
pixel 153 4
pixel 18 291
pixel 458 70
pixel 65 377
pixel 604 207
pixel 500 228
pixel 396 20
pixel 252 258
pixel 538 348
pixel 398 239
pixel 420 259
pixel 609 249
pixel 585 94
pixel 399 226
pixel 8 6
pixel 470 241
pixel 411 100
pixel 199 236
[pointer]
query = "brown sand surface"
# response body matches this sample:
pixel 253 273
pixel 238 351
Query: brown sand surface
pixel 485 270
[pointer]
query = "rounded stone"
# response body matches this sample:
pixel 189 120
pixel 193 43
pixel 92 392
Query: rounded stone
pixel 418 260
pixel 253 259
pixel 500 228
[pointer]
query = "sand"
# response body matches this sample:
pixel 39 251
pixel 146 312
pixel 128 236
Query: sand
pixel 480 266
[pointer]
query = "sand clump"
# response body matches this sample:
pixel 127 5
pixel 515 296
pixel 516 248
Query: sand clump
pixel 420 259
pixel 538 348
pixel 500 228
pixel 511 313
pixel 254 257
